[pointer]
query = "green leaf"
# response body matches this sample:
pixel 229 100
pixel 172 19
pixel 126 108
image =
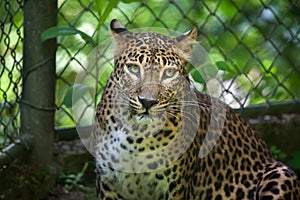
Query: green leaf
pixel 100 5
pixel 105 72
pixel 222 65
pixel 56 31
pixel 295 161
pixel 71 98
pixel 210 69
pixel 111 4
pixel 131 1
pixel 197 76
pixel 278 154
pixel 104 8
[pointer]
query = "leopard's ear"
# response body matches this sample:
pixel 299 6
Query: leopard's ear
pixel 116 27
pixel 185 42
pixel 117 30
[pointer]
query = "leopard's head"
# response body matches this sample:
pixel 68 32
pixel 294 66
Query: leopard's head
pixel 150 70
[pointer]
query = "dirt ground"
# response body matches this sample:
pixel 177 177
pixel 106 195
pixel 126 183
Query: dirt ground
pixel 72 174
pixel 72 156
pixel 60 193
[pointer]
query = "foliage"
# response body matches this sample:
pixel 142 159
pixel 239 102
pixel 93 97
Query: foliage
pixel 295 161
pixel 73 181
pixel 277 153
pixel 56 31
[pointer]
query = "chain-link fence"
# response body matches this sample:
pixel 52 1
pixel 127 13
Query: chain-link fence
pixel 11 37
pixel 255 45
pixel 256 41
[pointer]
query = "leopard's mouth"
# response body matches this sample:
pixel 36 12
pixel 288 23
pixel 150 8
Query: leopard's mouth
pixel 142 115
pixel 146 116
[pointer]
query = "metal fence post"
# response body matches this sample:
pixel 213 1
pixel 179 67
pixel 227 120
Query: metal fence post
pixel 38 74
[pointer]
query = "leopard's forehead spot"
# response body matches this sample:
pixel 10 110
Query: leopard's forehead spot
pixel 147 44
pixel 151 50
pixel 149 40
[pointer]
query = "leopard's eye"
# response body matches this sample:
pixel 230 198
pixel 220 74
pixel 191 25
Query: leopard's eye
pixel 169 73
pixel 134 69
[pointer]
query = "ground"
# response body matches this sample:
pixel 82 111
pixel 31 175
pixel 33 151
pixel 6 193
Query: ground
pixel 77 179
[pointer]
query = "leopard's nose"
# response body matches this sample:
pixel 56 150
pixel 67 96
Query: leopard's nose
pixel 147 103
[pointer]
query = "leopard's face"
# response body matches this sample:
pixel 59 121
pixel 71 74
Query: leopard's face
pixel 151 75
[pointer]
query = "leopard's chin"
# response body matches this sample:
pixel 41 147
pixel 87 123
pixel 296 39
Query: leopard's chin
pixel 143 119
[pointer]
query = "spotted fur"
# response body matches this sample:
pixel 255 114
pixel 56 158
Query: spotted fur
pixel 140 114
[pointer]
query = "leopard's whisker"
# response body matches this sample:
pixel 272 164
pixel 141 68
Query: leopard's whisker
pixel 187 115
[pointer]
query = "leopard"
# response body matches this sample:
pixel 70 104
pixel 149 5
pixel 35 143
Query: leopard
pixel 157 137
